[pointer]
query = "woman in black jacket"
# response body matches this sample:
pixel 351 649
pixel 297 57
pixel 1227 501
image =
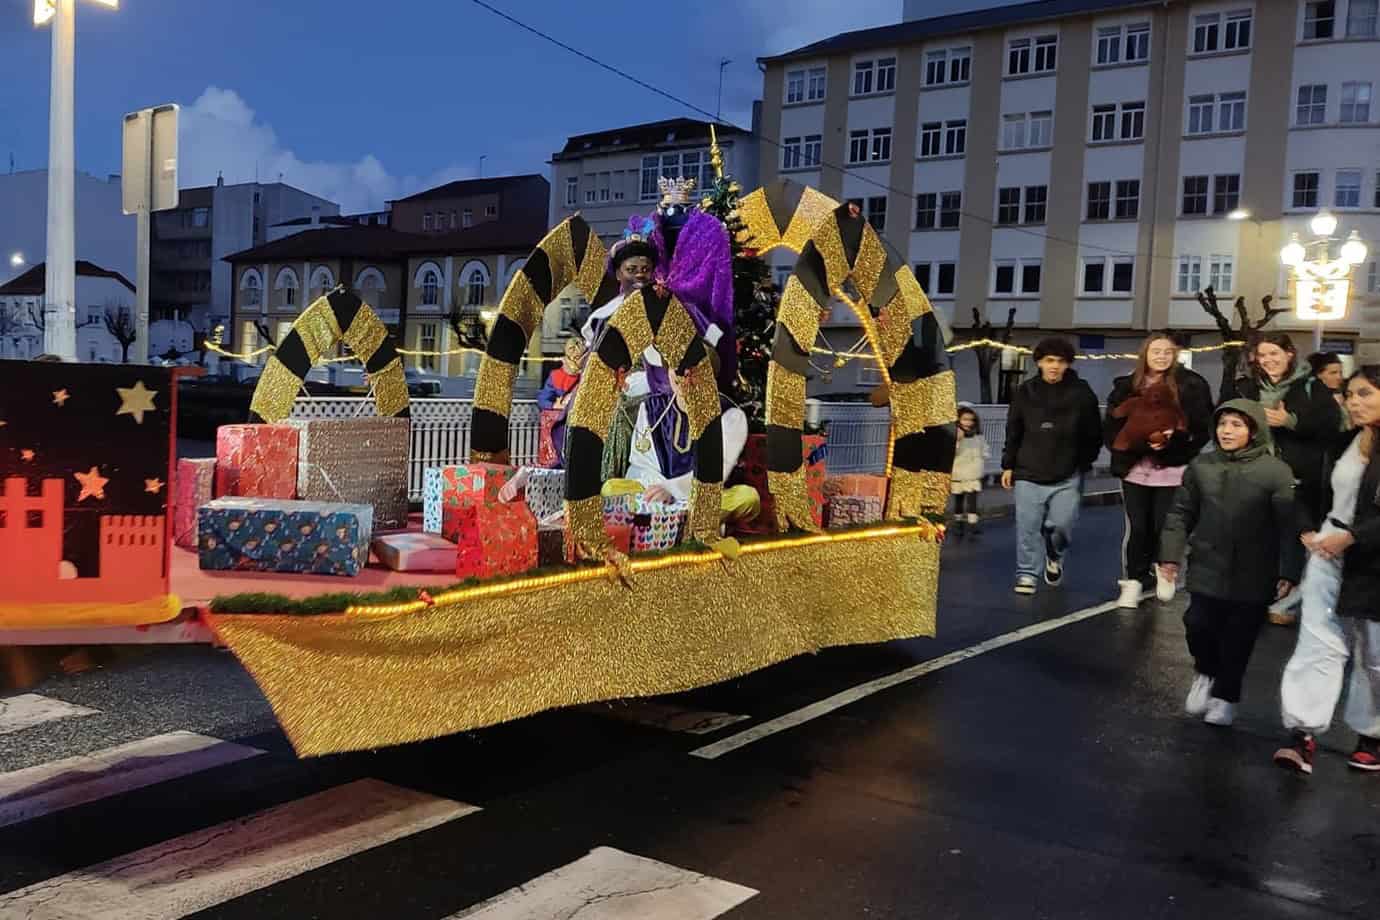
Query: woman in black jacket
pixel 1304 418
pixel 1158 419
pixel 1341 598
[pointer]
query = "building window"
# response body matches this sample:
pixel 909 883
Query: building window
pixel 1046 49
pixel 1128 199
pixel 1360 19
pixel 862 78
pixel 926 211
pixel 795 86
pixel 475 294
pixel 1195 195
pixel 1200 110
pixel 931 137
pixel 1008 206
pixel 491 210
pixel 814 89
pixel 426 342
pixel 1104 122
pixel 1019 60
pixel 1012 132
pixel 1377 190
pixel 955 138
pixel 1137 42
pixel 951 66
pixel 1132 120
pixel 1312 104
pixel 1041 129
pixel 1094 275
pixel 1237 35
pixel 790 153
pixel 467 217
pixel 869 146
pixel 1231 112
pixel 572 192
pixel 253 293
pixel 1226 193
pixel 886 75
pixel 1036 197
pixel 1123 275
pixel 1319 20
pixel 936 278
pixel 1004 278
pixel 1355 103
pixel 1305 189
pixel 1190 275
pixel 876 212
pixel 428 221
pixel 1348 192
pixel 1206 32
pixel 1018 56
pixel 857 146
pixel 431 288
pixel 1109 45
pixel 1016 135
pixel 813 149
pixel 1220 273
pixel 877 76
pixel 650 173
pixel 1099 200
pixel 201 217
pixel 950 209
pixel 1030 276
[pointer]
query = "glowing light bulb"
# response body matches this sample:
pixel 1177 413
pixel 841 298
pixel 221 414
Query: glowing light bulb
pixel 1323 224
pixel 1292 254
pixel 1353 250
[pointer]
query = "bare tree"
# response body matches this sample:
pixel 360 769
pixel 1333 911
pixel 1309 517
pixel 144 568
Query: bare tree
pixel 469 328
pixel 119 322
pixel 1247 331
pixel 989 356
pixel 37 318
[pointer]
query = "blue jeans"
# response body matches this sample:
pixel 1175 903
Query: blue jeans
pixel 1045 511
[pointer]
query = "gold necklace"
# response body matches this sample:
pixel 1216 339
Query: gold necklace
pixel 642 438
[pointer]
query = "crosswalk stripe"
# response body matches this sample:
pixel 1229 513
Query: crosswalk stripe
pixel 210 866
pixel 36 791
pixel 609 884
pixel 666 716
pixel 29 709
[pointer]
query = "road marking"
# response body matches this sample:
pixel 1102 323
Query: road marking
pixel 666 716
pixel 29 709
pixel 46 788
pixel 210 866
pixel 853 694
pixel 609 884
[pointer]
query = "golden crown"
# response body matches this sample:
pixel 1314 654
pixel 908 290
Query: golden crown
pixel 675 191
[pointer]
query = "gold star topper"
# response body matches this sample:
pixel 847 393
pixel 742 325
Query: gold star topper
pixel 153 486
pixel 136 400
pixel 26 455
pixel 92 484
pixel 60 397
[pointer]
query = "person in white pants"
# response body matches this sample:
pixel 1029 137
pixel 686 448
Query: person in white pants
pixel 1341 605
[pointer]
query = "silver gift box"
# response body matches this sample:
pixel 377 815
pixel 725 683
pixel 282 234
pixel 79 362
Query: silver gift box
pixel 357 460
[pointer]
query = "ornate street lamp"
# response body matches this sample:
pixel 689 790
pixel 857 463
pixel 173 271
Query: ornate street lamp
pixel 1322 284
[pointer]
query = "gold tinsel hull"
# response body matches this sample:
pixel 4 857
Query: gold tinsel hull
pixel 346 682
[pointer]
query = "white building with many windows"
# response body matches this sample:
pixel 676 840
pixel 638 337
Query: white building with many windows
pixel 1092 164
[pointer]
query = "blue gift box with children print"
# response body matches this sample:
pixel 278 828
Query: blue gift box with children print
pixel 276 535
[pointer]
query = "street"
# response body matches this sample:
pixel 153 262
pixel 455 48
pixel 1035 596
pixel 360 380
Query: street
pixel 1048 774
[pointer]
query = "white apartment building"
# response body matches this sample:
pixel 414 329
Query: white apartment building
pixel 1077 160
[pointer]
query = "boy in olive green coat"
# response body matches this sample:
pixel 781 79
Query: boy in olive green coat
pixel 1236 511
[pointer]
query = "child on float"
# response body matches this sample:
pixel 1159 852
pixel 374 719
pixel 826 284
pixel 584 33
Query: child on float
pixel 1236 510
pixel 970 463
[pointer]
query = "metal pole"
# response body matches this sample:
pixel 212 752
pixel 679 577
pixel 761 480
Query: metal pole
pixel 60 267
pixel 139 352
pixel 719 101
pixel 1317 335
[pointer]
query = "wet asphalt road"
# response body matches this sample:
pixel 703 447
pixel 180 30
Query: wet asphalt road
pixel 1053 777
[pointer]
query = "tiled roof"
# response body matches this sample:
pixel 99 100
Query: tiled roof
pixel 353 242
pixel 33 281
pixel 918 30
pixel 464 188
pixel 635 137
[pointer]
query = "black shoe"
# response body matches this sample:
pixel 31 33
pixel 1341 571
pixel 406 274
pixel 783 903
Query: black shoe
pixel 1054 563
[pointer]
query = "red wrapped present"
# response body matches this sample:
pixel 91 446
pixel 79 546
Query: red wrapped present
pixel 546 448
pixel 452 486
pixel 752 468
pixel 256 461
pixel 859 484
pixel 497 539
pixel 196 479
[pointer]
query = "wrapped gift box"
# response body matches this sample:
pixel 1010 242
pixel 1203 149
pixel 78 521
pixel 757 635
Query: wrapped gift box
pixel 416 552
pixel 492 539
pixel 752 468
pixel 551 544
pixel 276 535
pixel 852 510
pixel 621 509
pixel 657 526
pixel 545 493
pixel 257 461
pixel 546 448
pixel 356 460
pixel 855 484
pixel 196 480
pixel 456 486
pixel 620 534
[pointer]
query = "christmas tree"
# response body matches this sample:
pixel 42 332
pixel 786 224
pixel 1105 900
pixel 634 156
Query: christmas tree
pixel 755 299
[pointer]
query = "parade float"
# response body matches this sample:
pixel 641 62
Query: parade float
pixel 366 624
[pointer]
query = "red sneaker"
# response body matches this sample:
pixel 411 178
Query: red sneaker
pixel 1366 756
pixel 1298 755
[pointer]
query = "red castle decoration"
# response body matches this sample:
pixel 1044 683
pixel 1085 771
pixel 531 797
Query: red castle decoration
pixel 132 551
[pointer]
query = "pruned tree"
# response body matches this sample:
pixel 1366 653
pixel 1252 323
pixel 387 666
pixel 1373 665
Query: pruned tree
pixel 1247 331
pixel 37 318
pixel 468 326
pixel 989 356
pixel 119 322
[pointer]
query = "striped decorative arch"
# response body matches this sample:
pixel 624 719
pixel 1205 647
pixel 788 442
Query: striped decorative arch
pixel 836 245
pixel 570 254
pixel 338 316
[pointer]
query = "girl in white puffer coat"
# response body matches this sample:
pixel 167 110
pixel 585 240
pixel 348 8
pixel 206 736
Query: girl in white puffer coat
pixel 970 462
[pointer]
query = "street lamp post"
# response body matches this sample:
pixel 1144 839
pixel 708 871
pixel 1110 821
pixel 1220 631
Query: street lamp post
pixel 1322 284
pixel 60 269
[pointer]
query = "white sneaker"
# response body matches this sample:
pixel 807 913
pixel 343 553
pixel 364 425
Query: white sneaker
pixel 1130 594
pixel 1025 584
pixel 1220 712
pixel 1164 587
pixel 1198 696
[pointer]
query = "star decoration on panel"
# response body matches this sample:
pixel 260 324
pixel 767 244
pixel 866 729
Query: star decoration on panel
pixel 92 484
pixel 26 455
pixel 60 397
pixel 136 400
pixel 153 486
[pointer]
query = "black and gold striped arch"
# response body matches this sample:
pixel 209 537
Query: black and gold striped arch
pixel 646 318
pixel 570 254
pixel 333 318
